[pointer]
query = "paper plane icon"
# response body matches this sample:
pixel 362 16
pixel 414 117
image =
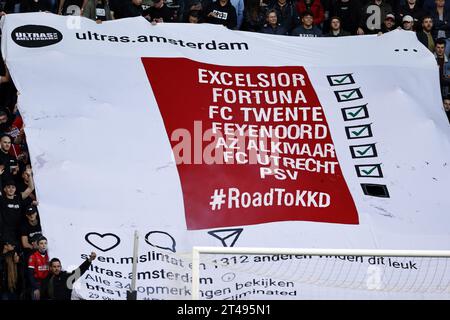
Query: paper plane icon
pixel 228 237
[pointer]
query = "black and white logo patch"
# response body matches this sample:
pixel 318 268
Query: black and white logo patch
pixel 35 36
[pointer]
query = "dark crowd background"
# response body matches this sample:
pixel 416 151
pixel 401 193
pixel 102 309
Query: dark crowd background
pixel 26 272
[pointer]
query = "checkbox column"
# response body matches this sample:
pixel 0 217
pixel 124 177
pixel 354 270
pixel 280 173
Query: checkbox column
pixel 359 151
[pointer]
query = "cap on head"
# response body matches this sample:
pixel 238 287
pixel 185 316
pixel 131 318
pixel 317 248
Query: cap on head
pixel 390 16
pixel 408 18
pixel 30 210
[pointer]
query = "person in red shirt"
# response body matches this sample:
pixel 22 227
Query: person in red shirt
pixel 38 267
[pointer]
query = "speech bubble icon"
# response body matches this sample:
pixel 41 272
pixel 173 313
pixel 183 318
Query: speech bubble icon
pixel 161 240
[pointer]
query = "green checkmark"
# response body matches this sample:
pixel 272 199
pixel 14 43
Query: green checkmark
pixel 364 152
pixel 354 114
pixel 357 133
pixel 367 172
pixel 347 96
pixel 342 79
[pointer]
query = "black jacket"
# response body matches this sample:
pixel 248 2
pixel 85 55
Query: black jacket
pixel 350 14
pixel 9 5
pixel 8 161
pixel 287 15
pixel 164 12
pixel 253 22
pixel 441 25
pixel 56 288
pixel 280 30
pixel 342 33
pixel 226 15
pixel 128 9
pixel 11 212
pixel 31 6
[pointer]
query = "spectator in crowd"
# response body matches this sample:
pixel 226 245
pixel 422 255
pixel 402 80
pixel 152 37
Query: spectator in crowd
pixel 254 16
pixel 185 6
pixel 6 121
pixel 388 23
pixel 58 284
pixel 396 5
pixel 441 42
pixel 13 128
pixel 413 9
pixel 70 7
pixel 335 28
pixel 11 276
pixel 116 7
pixel 286 12
pixel 159 12
pixel 425 36
pixel 222 12
pixel 408 23
pixel 9 6
pixel 24 183
pixel 54 5
pixel 441 20
pixel 315 7
pixel 35 6
pixel 430 5
pixel 194 16
pixel 9 162
pixel 8 98
pixel 349 11
pixel 446 103
pixel 29 229
pixel 371 23
pixel 38 268
pixel 239 6
pixel 6 77
pixel 307 28
pixel 442 61
pixel 12 206
pixel 131 8
pixel 98 10
pixel 327 8
pixel 272 26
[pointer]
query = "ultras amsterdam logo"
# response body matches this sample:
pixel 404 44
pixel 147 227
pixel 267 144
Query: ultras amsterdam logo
pixel 34 36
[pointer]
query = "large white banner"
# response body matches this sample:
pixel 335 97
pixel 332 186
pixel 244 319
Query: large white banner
pixel 195 135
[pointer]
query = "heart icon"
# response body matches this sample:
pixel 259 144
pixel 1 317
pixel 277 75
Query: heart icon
pixel 103 242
